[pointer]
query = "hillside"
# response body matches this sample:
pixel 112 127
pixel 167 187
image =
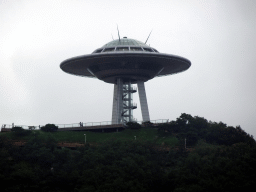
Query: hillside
pixel 223 159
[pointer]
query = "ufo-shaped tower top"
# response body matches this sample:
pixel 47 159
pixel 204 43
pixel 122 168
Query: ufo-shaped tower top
pixel 127 59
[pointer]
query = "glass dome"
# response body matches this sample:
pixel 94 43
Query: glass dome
pixel 124 41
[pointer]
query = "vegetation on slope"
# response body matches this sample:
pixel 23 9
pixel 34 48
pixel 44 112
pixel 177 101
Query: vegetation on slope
pixel 144 134
pixel 223 159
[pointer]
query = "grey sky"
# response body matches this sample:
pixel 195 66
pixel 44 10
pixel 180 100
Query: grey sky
pixel 218 37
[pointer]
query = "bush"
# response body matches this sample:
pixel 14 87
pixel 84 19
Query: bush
pixel 49 128
pixel 133 125
pixel 19 131
pixel 147 124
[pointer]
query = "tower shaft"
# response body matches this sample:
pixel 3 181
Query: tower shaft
pixel 143 101
pixel 128 105
pixel 117 102
pixel 123 106
pixel 122 102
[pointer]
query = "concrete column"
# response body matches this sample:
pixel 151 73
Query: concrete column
pixel 143 101
pixel 119 99
pixel 114 108
pixel 117 102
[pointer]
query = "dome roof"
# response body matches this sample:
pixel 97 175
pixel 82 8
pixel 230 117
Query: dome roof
pixel 124 41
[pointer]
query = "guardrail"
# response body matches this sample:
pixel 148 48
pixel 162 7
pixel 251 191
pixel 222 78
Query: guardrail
pixel 81 124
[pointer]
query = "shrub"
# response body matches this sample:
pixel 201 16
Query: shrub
pixel 19 131
pixel 147 124
pixel 133 125
pixel 49 128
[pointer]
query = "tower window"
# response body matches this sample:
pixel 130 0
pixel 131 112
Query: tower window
pixel 136 49
pixel 98 51
pixel 122 49
pixel 147 49
pixel 109 49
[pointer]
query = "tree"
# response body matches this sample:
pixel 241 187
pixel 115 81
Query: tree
pixel 133 125
pixel 49 128
pixel 19 131
pixel 147 124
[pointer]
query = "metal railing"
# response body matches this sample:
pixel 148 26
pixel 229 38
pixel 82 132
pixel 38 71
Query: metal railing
pixel 81 124
pixel 88 124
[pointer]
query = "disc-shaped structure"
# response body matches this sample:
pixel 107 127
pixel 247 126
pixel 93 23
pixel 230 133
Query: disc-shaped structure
pixel 127 59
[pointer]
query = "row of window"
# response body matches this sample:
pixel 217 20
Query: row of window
pixel 131 66
pixel 111 49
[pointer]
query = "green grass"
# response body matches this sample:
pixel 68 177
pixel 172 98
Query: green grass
pixel 142 135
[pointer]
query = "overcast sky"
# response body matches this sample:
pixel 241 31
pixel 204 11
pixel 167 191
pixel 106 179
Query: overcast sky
pixel 218 37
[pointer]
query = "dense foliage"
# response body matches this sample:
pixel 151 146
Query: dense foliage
pixel 224 159
pixel 196 128
pixel 19 131
pixel 49 128
pixel 133 125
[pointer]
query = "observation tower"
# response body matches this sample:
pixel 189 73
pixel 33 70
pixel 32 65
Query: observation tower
pixel 124 62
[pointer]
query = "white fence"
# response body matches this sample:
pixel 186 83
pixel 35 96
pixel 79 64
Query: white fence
pixel 80 124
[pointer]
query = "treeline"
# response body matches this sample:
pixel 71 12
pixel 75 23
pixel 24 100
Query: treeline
pixel 135 166
pixel 197 128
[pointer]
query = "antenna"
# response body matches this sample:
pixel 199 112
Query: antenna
pixel 112 36
pixel 148 36
pixel 118 32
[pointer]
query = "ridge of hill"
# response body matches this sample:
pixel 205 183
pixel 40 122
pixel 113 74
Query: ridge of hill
pixel 185 130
